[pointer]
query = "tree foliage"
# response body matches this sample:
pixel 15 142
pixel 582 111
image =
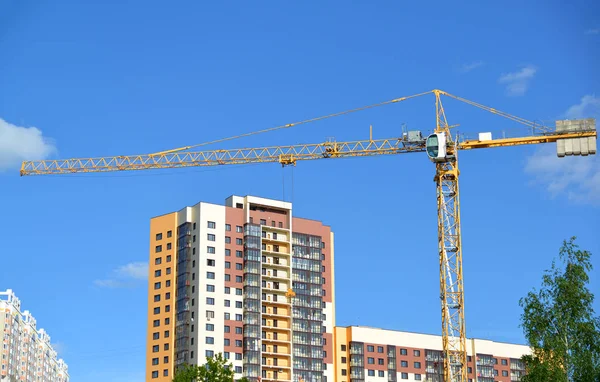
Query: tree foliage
pixel 559 322
pixel 216 369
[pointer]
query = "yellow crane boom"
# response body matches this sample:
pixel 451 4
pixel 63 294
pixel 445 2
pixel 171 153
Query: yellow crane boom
pixel 572 137
pixel 282 154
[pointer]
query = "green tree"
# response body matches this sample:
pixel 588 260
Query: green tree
pixel 216 369
pixel 559 323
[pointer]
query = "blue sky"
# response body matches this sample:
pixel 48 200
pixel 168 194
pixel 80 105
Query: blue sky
pixel 112 78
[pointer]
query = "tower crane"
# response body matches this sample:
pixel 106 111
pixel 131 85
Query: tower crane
pixel 573 138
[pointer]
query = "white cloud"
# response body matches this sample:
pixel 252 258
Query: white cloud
pixel 125 275
pixel 593 31
pixel 138 271
pixel 22 143
pixel 518 82
pixel 59 347
pixel 577 177
pixel 471 66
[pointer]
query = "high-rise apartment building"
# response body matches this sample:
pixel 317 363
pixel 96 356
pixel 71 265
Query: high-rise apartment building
pixel 376 355
pixel 26 353
pixel 246 279
pixel 251 281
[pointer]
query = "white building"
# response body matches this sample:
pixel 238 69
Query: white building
pixel 26 353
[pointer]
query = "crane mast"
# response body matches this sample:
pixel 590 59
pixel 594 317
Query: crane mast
pixel 450 255
pixel 572 138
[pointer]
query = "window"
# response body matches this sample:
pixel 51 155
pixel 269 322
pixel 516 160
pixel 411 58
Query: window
pixel 210 301
pixel 158 248
pixel 209 353
pixel 404 375
pixel 227 303
pixel 155 361
pixel 238 317
pixel 210 249
pixel 379 349
pixel 504 373
pixel 238 304
pixel 238 330
pixel 417 353
pixel 166 359
pixel 156 298
pixel 238 291
pixel 211 225
pixel 157 285
pixel 228 252
pixel 417 377
pixel 343 347
pixel 194 238
pixel 469 370
pixel 504 362
pixel 227 342
pixel 159 236
pixel 167 321
pixel 239 254
pixel 210 288
pixel 209 314
pixel 210 327
pixel 167 308
pixel 380 373
pixel 417 365
pixel 380 361
pixel 371 373
pixel 210 275
pixel 157 310
pixel 239 241
pixel 169 246
pixel 157 273
pixel 239 229
pixel 155 374
pixel 238 369
pixel 370 360
pixel 263 222
pixel 227 277
pixel 227 227
pixel 403 352
pixel 158 261
pixel 210 340
pixel 468 358
pixel 168 283
pixel 169 234
pixel 194 226
pixel 495 361
pixel 370 348
pixel 168 296
pixel 155 349
pixel 238 279
pixel 404 363
pixel 344 371
pixel 227 265
pixel 227 316
pixel 210 262
pixel 238 356
pixel 166 335
pixel 156 336
pixel 227 328
pixel 169 270
pixel 227 240
pixel 168 258
pixel 239 266
pixel 496 372
pixel 165 372
pixel 211 237
pixel 238 343
pixel 344 360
